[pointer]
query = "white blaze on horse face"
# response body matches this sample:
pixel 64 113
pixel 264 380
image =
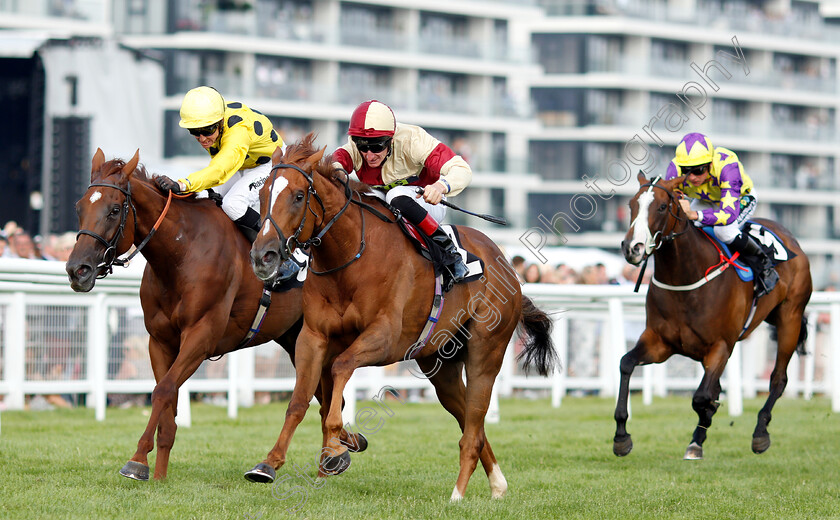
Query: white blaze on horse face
pixel 641 232
pixel 95 196
pixel 277 186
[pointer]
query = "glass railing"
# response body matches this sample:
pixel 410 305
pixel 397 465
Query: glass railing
pixel 79 10
pixel 728 16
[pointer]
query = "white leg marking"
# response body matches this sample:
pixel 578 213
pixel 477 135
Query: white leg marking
pixel 498 483
pixel 456 497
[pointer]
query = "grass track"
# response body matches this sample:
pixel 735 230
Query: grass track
pixel 558 464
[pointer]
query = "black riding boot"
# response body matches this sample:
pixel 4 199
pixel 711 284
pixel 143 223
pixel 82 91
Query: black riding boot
pixel 453 259
pixel 762 265
pixel 249 224
pixel 418 216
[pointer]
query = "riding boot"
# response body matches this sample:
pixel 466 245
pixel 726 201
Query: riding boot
pixel 249 224
pixel 761 264
pixel 453 260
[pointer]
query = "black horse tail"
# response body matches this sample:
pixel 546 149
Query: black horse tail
pixel 535 331
pixel 803 336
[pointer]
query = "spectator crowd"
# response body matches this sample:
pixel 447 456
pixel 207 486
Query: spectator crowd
pixel 594 274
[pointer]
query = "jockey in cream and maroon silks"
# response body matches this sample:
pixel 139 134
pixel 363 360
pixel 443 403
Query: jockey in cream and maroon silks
pixel 395 159
pixel 723 196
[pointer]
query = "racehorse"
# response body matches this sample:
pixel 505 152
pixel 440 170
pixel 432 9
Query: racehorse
pixel 198 293
pixel 367 297
pixel 700 313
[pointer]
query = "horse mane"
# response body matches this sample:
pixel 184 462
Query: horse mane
pixel 115 165
pixel 305 148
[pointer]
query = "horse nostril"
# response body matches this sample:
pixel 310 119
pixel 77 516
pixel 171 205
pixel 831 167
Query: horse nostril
pixel 268 257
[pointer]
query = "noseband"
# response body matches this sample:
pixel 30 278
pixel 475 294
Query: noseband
pixel 109 257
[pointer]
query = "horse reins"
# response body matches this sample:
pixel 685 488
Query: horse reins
pixel 109 257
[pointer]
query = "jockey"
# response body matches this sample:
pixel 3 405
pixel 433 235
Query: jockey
pixel 396 158
pixel 723 197
pixel 240 142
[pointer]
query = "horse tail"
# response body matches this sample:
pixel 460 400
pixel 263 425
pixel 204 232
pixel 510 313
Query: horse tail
pixel 535 331
pixel 803 336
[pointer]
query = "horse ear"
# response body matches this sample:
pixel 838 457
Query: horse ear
pixel 96 163
pixel 641 178
pixel 277 156
pixel 131 165
pixel 314 158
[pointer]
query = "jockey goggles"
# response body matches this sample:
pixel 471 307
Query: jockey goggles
pixel 698 170
pixel 372 145
pixel 205 131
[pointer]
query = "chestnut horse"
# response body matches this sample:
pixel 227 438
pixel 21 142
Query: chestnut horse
pixel 700 316
pixel 366 300
pixel 199 294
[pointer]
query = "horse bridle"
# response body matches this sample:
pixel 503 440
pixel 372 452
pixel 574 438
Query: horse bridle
pixel 109 257
pixel 672 202
pixel 287 243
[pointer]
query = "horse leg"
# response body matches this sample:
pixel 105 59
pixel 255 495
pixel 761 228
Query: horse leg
pixel 484 359
pixel 705 401
pixel 788 337
pixel 649 349
pixel 355 442
pixel 310 353
pixel 162 417
pixel 451 393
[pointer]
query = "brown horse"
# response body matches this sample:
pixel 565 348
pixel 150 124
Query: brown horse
pixel 696 313
pixel 199 294
pixel 366 300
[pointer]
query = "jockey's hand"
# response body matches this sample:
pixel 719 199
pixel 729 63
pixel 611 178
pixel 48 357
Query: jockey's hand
pixel 685 204
pixel 166 184
pixel 433 193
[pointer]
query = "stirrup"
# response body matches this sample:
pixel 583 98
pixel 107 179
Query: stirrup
pixel 765 282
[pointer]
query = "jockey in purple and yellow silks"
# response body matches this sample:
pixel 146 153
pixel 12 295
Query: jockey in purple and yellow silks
pixel 723 196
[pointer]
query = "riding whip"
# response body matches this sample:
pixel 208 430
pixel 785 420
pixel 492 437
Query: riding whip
pixel 489 218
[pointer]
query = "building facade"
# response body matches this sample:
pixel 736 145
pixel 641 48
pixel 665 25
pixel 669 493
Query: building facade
pixel 556 104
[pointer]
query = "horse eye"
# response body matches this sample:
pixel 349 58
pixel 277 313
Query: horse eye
pixel 115 211
pixel 663 207
pixel 299 197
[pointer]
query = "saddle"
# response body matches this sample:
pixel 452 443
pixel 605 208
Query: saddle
pixel 433 253
pixel 766 239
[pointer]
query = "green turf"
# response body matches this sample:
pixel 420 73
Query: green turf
pixel 558 464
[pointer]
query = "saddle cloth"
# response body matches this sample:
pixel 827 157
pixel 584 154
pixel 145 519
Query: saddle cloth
pixel 769 241
pixel 474 264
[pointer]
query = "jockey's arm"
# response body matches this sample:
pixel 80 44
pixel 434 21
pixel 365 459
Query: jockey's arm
pixel 229 160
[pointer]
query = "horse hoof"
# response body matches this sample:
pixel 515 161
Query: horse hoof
pixel 336 465
pixel 360 444
pixel 693 452
pixel 622 447
pixel 135 470
pixel 760 444
pixel 262 473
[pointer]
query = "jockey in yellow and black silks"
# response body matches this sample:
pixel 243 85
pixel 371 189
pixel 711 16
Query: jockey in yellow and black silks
pixel 240 142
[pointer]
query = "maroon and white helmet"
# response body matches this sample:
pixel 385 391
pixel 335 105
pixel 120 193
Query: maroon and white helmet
pixel 372 119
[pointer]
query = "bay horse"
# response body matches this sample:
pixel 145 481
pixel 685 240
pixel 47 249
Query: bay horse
pixel 367 298
pixel 700 316
pixel 198 292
